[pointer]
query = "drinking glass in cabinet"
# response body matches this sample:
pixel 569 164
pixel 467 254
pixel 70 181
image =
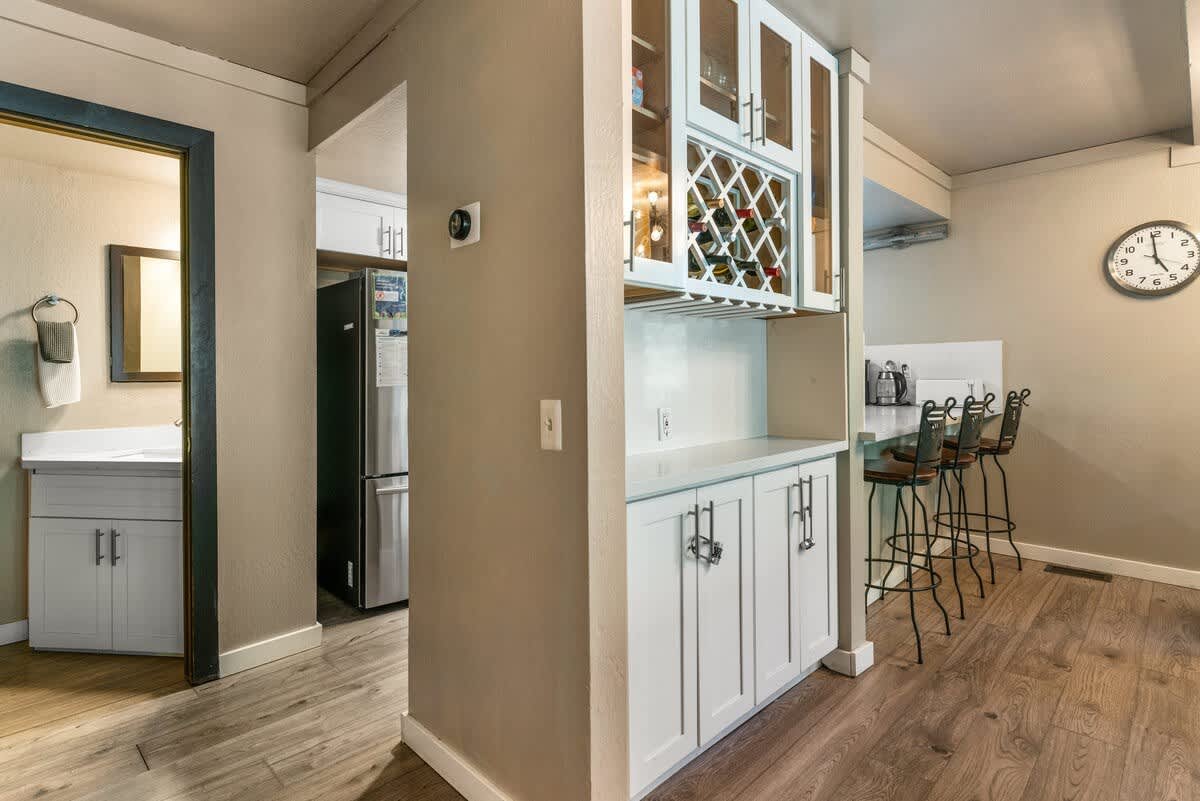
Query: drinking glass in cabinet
pixel 822 177
pixel 651 168
pixel 719 62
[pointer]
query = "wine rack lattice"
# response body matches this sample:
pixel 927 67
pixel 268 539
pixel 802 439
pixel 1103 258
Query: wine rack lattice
pixel 738 222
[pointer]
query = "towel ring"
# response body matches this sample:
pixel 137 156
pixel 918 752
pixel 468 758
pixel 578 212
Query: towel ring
pixel 53 300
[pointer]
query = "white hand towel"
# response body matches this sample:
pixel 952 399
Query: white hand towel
pixel 60 383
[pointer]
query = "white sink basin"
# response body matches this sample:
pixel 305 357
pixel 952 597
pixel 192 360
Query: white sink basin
pixel 148 454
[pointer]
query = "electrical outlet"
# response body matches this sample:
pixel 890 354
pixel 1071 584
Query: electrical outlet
pixel 664 423
pixel 550 424
pixel 349 574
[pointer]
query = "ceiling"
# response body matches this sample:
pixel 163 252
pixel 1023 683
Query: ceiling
pixel 883 208
pixel 289 38
pixel 970 84
pixel 373 150
pixel 84 155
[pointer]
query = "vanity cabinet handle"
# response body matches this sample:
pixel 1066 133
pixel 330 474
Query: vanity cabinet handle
pixel 99 544
pixel 113 546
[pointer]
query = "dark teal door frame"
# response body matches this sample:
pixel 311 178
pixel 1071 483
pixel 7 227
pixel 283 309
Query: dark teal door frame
pixel 195 148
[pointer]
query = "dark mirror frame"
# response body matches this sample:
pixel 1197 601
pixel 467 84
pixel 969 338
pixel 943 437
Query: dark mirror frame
pixel 116 313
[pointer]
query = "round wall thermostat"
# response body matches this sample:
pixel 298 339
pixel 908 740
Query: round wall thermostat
pixel 460 224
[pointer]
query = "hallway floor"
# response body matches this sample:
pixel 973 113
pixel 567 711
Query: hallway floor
pixel 1055 687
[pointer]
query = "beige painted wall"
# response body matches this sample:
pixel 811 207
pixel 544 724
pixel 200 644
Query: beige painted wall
pixel 501 645
pixel 55 226
pixel 1105 460
pixel 266 353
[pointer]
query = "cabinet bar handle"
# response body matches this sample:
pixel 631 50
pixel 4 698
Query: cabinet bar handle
pixel 750 105
pixel 99 542
pixel 806 517
pixel 693 546
pixel 387 249
pixel 113 547
pixel 632 236
pixel 400 231
pixel 715 549
pixel 762 134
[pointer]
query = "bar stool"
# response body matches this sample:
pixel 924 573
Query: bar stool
pixel 1002 446
pixel 920 472
pixel 958 454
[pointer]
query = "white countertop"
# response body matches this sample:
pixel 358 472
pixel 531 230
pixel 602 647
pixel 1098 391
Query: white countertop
pixel 660 472
pixel 883 423
pixel 146 450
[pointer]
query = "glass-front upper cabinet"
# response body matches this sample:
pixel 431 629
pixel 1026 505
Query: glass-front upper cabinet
pixel 776 47
pixel 718 67
pixel 650 169
pixel 821 288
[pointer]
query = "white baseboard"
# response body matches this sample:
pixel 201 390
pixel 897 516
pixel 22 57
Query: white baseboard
pixel 851 663
pixel 16 631
pixel 1149 571
pixel 270 649
pixel 448 763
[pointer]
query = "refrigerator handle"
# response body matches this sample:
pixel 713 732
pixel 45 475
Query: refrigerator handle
pixel 391 490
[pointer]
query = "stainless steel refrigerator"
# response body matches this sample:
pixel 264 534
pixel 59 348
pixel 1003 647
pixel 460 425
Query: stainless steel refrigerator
pixel 362 438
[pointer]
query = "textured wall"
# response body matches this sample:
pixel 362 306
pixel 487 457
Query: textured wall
pixel 500 631
pixel 55 226
pixel 266 316
pixel 1105 462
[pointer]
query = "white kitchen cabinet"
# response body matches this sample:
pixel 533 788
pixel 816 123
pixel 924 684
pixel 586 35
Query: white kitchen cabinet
pixel 353 219
pixel 106 585
pixel 778 655
pixel 732 599
pixel 820 288
pixel 817 561
pixel 147 586
pixel 725 618
pixel 662 634
pixel 719 82
pixel 70 584
pixel 777 97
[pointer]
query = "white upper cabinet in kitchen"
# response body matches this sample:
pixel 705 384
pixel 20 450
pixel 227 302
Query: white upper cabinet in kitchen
pixel 360 220
pixel 718 68
pixel 776 125
pixel 821 284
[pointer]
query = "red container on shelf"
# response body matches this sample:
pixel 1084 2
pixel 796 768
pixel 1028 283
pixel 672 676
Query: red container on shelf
pixel 744 214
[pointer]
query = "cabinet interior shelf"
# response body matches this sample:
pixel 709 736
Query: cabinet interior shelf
pixel 644 50
pixel 723 92
pixel 646 118
pixel 648 157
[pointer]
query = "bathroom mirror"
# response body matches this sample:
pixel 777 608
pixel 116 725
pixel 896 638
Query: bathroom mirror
pixel 145 314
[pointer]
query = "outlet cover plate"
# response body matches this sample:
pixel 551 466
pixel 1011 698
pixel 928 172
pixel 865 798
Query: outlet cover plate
pixel 550 423
pixel 664 423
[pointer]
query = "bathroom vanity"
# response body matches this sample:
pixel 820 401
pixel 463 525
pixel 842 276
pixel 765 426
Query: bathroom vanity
pixel 106 540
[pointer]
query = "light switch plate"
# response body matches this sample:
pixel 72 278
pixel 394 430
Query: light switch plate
pixel 550 423
pixel 664 423
pixel 476 224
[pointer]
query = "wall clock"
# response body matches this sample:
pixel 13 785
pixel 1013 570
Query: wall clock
pixel 1154 259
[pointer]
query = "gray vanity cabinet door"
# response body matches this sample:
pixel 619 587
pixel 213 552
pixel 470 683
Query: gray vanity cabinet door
pixel 70 584
pixel 147 602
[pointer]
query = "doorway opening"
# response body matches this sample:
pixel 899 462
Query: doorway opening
pixel 109 373
pixel 362 379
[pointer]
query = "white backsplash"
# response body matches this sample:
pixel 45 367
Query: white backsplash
pixel 712 374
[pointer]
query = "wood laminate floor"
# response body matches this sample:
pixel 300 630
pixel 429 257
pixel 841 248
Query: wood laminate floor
pixel 1054 688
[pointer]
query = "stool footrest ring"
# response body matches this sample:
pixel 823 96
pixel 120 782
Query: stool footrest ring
pixel 972 550
pixel 1006 526
pixel 934 581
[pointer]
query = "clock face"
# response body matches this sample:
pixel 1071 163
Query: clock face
pixel 1157 258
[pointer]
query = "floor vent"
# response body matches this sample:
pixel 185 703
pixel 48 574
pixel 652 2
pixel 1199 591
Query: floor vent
pixel 1094 575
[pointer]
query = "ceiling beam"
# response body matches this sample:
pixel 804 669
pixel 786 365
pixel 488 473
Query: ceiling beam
pixel 360 45
pixel 1191 10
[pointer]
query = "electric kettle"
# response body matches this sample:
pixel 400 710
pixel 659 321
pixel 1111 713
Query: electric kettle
pixel 890 387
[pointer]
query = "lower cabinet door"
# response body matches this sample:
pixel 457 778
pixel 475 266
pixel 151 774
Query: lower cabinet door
pixel 662 635
pixel 818 563
pixel 725 592
pixel 70 584
pixel 778 656
pixel 147 602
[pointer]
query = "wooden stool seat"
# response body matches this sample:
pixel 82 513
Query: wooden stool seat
pixel 908 453
pixel 887 470
pixel 987 446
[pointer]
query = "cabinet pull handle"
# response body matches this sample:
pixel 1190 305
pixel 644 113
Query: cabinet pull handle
pixel 99 543
pixel 400 231
pixel 750 105
pixel 387 249
pixel 762 134
pixel 806 517
pixel 632 236
pixel 113 546
pixel 715 549
pixel 693 546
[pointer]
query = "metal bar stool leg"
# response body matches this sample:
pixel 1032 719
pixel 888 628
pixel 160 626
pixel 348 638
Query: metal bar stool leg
pixel 895 531
pixel 929 556
pixel 987 520
pixel 966 526
pixel 962 611
pixel 1007 514
pixel 870 551
pixel 908 575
